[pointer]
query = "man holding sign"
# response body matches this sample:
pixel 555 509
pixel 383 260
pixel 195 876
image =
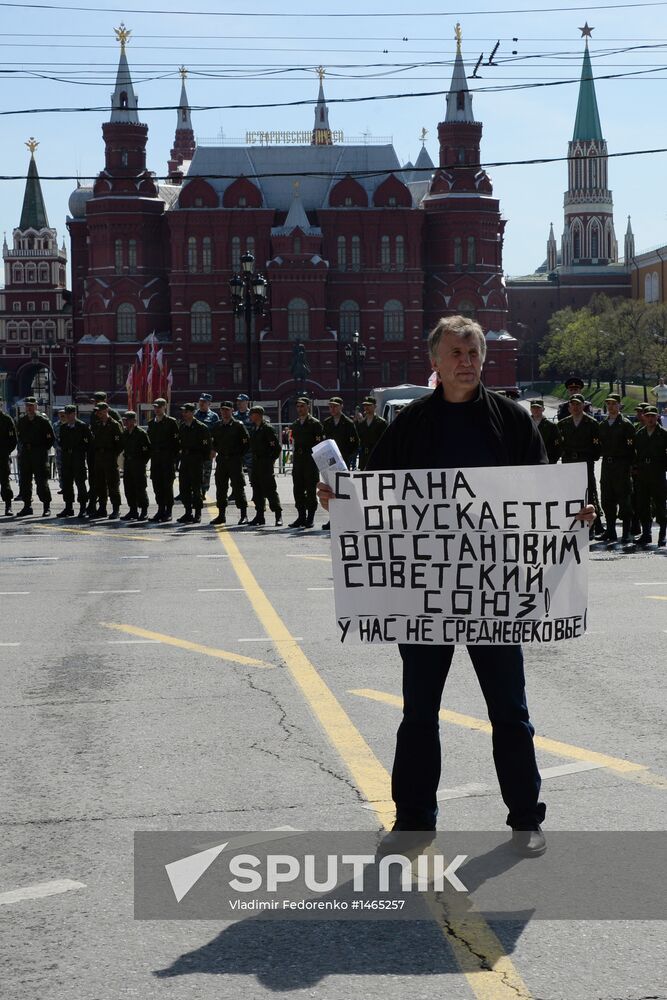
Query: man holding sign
pixel 461 426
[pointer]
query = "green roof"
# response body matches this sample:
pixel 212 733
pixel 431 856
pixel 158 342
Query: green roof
pixel 33 213
pixel 587 122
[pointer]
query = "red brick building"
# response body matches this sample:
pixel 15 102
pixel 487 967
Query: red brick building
pixel 347 238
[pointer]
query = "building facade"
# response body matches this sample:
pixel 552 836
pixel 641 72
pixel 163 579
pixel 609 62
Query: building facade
pixel 348 239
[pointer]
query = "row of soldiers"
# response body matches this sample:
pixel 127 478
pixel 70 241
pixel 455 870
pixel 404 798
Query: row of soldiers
pixel 633 487
pixel 89 459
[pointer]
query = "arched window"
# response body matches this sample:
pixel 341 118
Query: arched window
pixel 400 253
pixel 132 254
pixel 118 256
pixel 394 323
pixel 38 331
pixel 472 250
pixel 24 331
pixel 50 330
pixel 250 245
pixel 236 253
pixel 30 272
pixel 240 335
pixel 206 255
pixel 595 241
pixel 648 289
pixel 17 273
pixel 192 254
pixel 123 99
pixel 341 253
pixel 576 242
pixel 349 319
pixel 355 258
pixel 297 319
pixel 44 275
pixel 296 246
pixel 124 159
pixel 200 323
pixel 12 331
pixel 126 322
pixel 385 253
pixel 458 252
pixel 655 287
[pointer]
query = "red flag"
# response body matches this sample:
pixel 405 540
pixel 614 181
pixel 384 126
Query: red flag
pixel 129 386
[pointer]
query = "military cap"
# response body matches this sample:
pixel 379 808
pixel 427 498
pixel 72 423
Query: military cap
pixel 651 409
pixel 30 399
pixel 242 396
pixel 574 380
pixel 227 405
pixel 99 396
pixel 70 408
pixel 336 399
pixel 576 397
pixel 641 406
pixel 613 397
pixel 190 407
pixel 101 406
pixel 160 402
pixel 257 409
pixel 369 399
pixel 303 399
pixel 130 415
pixel 206 396
pixel 537 402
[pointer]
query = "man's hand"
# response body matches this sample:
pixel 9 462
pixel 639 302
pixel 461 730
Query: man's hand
pixel 324 495
pixel 586 514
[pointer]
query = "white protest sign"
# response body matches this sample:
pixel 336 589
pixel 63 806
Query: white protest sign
pixel 476 556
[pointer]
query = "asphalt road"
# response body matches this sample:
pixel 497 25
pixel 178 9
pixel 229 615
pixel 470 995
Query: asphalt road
pixel 179 678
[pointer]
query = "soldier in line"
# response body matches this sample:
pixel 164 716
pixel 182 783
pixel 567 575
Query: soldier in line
pixel 229 441
pixel 548 430
pixel 306 433
pixel 98 397
pixel 165 447
pixel 638 421
pixel 580 442
pixel 266 449
pixel 242 413
pixel 107 446
pixel 136 452
pixel 195 441
pixel 35 437
pixel 617 446
pixel 574 386
pixel 57 424
pixel 8 441
pixel 651 458
pixel 370 429
pixel 339 428
pixel 205 415
pixel 75 441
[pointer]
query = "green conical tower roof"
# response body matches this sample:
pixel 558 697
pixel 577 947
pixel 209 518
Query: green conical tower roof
pixel 587 122
pixel 33 213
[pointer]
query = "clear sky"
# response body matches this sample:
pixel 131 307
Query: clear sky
pixel 62 57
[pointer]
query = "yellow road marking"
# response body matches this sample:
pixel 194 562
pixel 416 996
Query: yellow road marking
pixel 90 531
pixel 629 769
pixel 194 647
pixel 478 952
pixel 654 597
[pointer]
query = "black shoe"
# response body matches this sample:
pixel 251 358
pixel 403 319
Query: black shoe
pixel 402 840
pixel 310 521
pixel 25 512
pixel 609 536
pixel 8 510
pixel 65 512
pixel 279 519
pixel 101 512
pixel 47 510
pixel 220 519
pixel 177 499
pixel 327 526
pixel 83 513
pixel 131 515
pixel 244 516
pixel 113 516
pixel 143 514
pixel 529 843
pixel 299 523
pixel 257 521
pixel 662 539
pixel 643 540
pixel 165 517
pixel 157 516
pixel 196 517
pixel 186 518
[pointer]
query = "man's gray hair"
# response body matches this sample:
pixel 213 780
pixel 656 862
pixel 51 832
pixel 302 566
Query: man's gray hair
pixel 459 326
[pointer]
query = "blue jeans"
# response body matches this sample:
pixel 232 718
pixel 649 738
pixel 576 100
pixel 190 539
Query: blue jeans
pixel 416 771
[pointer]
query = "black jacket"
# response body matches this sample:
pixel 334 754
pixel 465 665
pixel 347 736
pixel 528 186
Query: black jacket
pixel 8 438
pixel 414 439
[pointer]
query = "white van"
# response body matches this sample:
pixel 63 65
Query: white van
pixel 390 401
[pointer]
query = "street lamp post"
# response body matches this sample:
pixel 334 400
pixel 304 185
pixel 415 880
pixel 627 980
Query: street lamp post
pixel 51 347
pixel 355 354
pixel 621 387
pixel 249 294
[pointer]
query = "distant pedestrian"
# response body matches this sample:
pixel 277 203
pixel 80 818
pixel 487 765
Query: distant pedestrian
pixel 660 393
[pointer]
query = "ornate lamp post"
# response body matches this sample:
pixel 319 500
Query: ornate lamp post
pixel 249 294
pixel 355 354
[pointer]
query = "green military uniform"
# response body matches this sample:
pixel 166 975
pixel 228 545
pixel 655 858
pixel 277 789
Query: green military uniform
pixel 305 435
pixel 651 466
pixel 265 448
pixel 369 435
pixel 93 423
pixel 617 445
pixel 35 437
pixel 165 447
pixel 581 443
pixel 8 440
pixel 75 441
pixel 549 434
pixel 230 442
pixel 195 440
pixel 107 446
pixel 136 453
pixel 344 433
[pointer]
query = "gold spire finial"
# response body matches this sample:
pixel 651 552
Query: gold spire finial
pixel 321 72
pixel 423 135
pixel 32 145
pixel 122 35
pixel 458 34
pixel 183 72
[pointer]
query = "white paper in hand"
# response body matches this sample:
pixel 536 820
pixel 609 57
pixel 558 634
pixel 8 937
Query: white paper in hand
pixel 328 460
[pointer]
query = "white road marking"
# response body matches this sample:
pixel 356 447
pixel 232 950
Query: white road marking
pixel 134 557
pixel 656 583
pixel 14 593
pixel 574 768
pixel 320 588
pixel 35 559
pixel 300 556
pixel 220 590
pixel 133 642
pixel 223 556
pixel 10 643
pixel 267 638
pixel 113 591
pixel 40 890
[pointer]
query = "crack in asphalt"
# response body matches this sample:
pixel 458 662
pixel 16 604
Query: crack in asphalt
pixel 335 774
pixel 287 728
